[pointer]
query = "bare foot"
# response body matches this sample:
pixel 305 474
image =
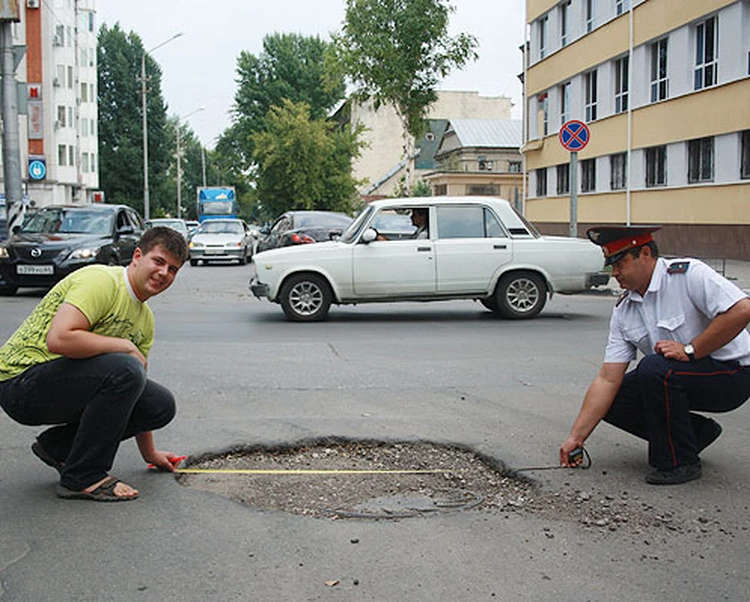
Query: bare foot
pixel 121 489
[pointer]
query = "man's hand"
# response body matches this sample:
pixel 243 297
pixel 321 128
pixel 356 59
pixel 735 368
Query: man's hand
pixel 164 460
pixel 671 350
pixel 568 446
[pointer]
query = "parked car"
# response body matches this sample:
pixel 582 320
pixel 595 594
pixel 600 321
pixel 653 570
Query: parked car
pixel 221 240
pixel 476 248
pixel 58 239
pixel 169 222
pixel 302 227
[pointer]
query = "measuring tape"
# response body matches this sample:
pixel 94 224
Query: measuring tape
pixel 300 471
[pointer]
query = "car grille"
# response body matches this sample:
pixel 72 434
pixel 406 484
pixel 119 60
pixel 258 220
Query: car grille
pixel 24 254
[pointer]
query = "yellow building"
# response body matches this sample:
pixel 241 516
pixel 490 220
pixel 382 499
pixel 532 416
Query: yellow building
pixel 664 87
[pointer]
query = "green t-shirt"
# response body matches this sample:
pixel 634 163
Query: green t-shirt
pixel 104 296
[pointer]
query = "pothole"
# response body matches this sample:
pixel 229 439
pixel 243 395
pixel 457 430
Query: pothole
pixel 359 479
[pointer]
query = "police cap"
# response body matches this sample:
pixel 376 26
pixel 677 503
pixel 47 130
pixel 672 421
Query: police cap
pixel 615 241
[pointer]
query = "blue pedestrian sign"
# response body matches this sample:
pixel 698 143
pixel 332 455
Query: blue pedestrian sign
pixel 37 168
pixel 574 135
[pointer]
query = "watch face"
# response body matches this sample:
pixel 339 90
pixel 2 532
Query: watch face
pixel 689 349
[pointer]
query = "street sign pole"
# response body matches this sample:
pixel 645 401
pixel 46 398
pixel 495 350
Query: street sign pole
pixel 573 227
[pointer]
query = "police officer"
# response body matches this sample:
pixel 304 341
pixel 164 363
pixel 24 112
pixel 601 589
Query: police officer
pixel 689 323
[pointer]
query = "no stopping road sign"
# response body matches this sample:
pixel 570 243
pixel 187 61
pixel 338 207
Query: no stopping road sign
pixel 574 135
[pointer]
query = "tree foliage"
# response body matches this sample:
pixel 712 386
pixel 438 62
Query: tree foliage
pixel 396 52
pixel 120 128
pixel 290 67
pixel 304 163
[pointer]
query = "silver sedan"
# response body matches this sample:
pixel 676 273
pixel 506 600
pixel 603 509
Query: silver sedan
pixel 221 240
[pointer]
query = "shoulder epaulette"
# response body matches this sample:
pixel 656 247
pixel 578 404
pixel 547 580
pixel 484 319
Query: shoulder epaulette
pixel 678 267
pixel 621 298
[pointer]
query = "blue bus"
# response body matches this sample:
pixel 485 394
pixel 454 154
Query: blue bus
pixel 217 201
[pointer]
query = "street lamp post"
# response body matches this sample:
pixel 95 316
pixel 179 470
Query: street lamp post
pixel 146 199
pixel 179 157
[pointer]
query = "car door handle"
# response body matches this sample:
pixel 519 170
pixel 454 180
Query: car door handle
pixel 424 249
pixel 500 246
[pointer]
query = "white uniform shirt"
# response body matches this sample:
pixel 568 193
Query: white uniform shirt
pixel 677 306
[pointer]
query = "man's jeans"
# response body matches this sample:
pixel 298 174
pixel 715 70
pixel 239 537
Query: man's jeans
pixel 95 403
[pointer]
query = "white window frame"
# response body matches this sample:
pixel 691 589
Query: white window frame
pixel 563 179
pixel 543 29
pixel 564 89
pixel 543 106
pixel 622 6
pixel 656 166
pixel 706 53
pixel 541 182
pixel 618 171
pixel 701 160
pixel 588 175
pixel 622 96
pixel 564 12
pixel 590 87
pixel 745 154
pixel 590 15
pixel 659 57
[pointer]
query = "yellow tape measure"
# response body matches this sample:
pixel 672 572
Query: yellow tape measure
pixel 261 471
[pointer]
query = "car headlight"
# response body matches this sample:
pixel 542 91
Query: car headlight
pixel 233 244
pixel 4 253
pixel 194 244
pixel 85 253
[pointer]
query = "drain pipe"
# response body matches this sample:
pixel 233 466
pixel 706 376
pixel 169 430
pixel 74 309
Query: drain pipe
pixel 630 116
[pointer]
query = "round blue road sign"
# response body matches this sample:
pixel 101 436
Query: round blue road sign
pixel 37 169
pixel 574 135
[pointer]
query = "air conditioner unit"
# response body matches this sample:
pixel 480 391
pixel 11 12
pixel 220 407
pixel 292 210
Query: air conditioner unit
pixel 32 3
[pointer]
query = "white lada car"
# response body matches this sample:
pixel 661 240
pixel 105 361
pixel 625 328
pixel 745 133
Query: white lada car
pixel 429 249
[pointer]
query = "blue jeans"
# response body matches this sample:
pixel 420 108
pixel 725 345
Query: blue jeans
pixel 658 399
pixel 94 404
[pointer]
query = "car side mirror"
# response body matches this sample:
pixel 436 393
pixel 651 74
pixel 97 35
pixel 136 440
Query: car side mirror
pixel 126 230
pixel 369 235
pixel 334 234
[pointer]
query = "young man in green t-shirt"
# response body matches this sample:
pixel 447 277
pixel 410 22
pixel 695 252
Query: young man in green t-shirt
pixel 78 362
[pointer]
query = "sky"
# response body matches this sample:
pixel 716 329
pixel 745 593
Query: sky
pixel 199 68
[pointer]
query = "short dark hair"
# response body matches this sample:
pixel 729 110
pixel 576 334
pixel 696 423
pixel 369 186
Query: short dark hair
pixel 651 245
pixel 170 239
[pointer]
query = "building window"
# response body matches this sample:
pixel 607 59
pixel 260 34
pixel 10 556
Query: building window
pixel 70 77
pixel 588 175
pixel 59 39
pixel 61 154
pixel 514 167
pixel 563 178
pixel 543 112
pixel 440 189
pixel 84 162
pixel 659 80
pixel 483 190
pixel 564 22
pixel 71 155
pixel 621 84
pixel 84 92
pixel 70 117
pixel 541 182
pixel 60 116
pixel 590 14
pixel 91 20
pixel 745 155
pixel 618 171
pixel 621 6
pixel 656 166
pixel 543 27
pixel 589 80
pixel 701 160
pixel 706 53
pixel 564 102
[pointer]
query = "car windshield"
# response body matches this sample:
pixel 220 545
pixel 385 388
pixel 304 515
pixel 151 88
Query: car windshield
pixel 321 220
pixel 175 224
pixel 63 221
pixel 217 227
pixel 352 232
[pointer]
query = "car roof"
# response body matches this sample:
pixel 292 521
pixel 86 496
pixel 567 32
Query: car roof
pixel 93 207
pixel 437 200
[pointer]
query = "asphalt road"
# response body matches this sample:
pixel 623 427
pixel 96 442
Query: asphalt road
pixel 446 372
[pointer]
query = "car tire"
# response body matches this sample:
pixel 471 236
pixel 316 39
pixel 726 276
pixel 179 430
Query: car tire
pixel 306 298
pixel 490 303
pixel 243 257
pixel 520 295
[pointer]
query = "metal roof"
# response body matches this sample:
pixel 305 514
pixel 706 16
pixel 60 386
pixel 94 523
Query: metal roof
pixel 494 133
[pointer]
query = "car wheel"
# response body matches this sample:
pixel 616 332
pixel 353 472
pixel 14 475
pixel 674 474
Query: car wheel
pixel 306 298
pixel 520 295
pixel 490 303
pixel 193 262
pixel 8 290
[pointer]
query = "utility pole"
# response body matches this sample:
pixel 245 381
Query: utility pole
pixel 9 13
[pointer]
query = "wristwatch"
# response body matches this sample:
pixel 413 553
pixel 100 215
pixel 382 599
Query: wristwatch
pixel 690 351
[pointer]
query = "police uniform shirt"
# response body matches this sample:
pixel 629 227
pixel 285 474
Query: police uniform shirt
pixel 683 297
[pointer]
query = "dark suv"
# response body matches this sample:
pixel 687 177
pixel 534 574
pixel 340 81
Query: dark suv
pixel 59 239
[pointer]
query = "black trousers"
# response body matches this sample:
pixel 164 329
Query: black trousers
pixel 95 403
pixel 657 400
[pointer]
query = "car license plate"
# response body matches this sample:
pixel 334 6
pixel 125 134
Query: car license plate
pixel 214 251
pixel 35 270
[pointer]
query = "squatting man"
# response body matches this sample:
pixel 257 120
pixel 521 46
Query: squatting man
pixel 689 323
pixel 78 362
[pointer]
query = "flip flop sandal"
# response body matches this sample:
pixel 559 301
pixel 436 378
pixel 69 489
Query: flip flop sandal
pixel 42 454
pixel 104 493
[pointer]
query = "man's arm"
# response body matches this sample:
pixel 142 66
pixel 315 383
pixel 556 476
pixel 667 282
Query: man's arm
pixel 69 335
pixel 163 460
pixel 599 397
pixel 722 329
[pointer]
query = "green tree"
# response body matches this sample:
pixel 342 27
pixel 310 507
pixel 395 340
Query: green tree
pixel 396 52
pixel 291 66
pixel 120 127
pixel 304 163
